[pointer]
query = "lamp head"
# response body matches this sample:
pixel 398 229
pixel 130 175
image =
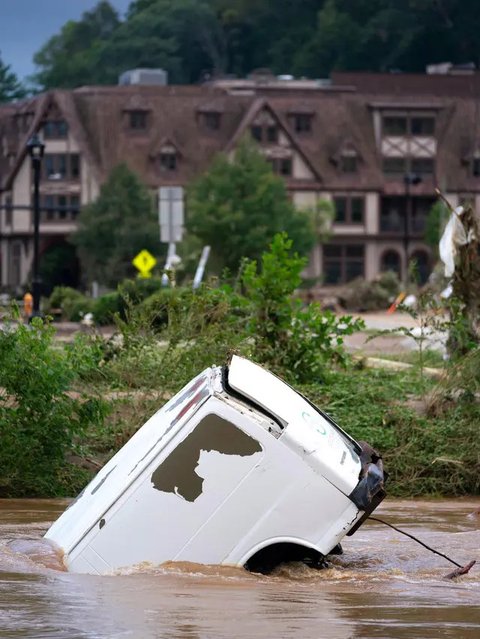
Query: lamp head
pixel 35 147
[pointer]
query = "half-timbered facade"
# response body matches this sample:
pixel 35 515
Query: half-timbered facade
pixel 356 140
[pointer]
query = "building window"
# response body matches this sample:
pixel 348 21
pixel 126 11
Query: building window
pixel 422 166
pixel 61 166
pixel 422 266
pixel 392 215
pixel 394 210
pixel 394 166
pixel 137 120
pixel 399 166
pixel 211 120
pixel 476 167
pixel 272 134
pixel 281 166
pixel 59 207
pixel 256 132
pixel 267 133
pixel 8 210
pixel 302 122
pixel 15 264
pixel 343 263
pixel 412 125
pixel 168 161
pixel 422 126
pixel 348 163
pixel 395 126
pixel 349 210
pixel 391 261
pixel 55 130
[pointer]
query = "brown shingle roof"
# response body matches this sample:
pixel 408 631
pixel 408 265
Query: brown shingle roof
pixel 96 117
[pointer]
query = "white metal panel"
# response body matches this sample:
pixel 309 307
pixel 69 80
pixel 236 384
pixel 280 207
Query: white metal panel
pixel 307 431
pixel 150 525
pixel 280 498
pixel 120 472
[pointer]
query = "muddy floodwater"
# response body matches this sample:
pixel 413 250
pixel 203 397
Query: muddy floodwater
pixel 383 586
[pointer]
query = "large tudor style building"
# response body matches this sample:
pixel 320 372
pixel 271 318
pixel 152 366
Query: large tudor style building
pixel 358 140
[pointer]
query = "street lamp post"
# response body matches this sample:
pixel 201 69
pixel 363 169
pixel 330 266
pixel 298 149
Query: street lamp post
pixel 35 149
pixel 409 179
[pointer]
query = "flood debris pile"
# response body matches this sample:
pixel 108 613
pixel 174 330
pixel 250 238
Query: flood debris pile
pixel 460 253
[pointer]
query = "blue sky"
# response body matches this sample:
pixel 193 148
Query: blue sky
pixel 25 25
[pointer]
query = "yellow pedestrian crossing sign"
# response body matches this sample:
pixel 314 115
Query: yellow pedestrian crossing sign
pixel 144 262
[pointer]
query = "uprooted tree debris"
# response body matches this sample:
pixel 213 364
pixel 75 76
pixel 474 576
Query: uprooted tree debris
pixel 460 252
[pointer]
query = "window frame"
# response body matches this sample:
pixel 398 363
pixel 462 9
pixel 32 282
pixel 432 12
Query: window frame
pixel 281 166
pixel 137 120
pixel 408 130
pixel 165 161
pixel 348 210
pixel 302 123
pixel 343 260
pixel 55 129
pixel 53 211
pixel 67 165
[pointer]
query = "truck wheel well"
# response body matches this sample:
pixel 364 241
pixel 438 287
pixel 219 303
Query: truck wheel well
pixel 269 557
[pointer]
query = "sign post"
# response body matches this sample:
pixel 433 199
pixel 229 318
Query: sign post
pixel 171 220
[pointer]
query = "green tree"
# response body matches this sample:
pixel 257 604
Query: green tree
pixel 10 87
pixel 239 205
pixel 114 228
pixel 75 56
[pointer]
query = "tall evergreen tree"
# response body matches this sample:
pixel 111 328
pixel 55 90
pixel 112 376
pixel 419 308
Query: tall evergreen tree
pixel 10 87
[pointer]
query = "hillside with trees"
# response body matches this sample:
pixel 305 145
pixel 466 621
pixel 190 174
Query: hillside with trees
pixel 197 39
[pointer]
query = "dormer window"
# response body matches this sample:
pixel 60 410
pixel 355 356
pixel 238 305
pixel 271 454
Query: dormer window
pixel 137 120
pixel 302 122
pixel 55 130
pixel 476 167
pixel 409 125
pixel 168 160
pixel 349 162
pixel 281 166
pixel 211 120
pixel 267 133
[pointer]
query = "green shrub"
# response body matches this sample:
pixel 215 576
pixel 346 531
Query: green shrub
pixel 140 288
pixel 72 303
pixel 106 307
pixel 361 295
pixel 297 343
pixel 39 421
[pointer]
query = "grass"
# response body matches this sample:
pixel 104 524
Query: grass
pixel 430 453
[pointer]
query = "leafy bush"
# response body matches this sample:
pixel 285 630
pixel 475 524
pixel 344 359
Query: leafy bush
pixel 39 421
pixel 140 288
pixel 72 303
pixel 361 295
pixel 107 306
pixel 296 342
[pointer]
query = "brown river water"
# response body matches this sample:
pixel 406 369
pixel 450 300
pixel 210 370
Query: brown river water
pixel 383 586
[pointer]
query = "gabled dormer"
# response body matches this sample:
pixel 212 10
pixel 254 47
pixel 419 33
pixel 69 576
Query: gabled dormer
pixel 166 156
pixel 137 115
pixel 276 141
pixel 346 157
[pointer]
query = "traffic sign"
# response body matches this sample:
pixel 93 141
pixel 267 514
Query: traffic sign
pixel 170 213
pixel 144 262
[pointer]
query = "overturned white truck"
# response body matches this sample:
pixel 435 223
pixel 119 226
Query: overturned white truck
pixel 238 468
